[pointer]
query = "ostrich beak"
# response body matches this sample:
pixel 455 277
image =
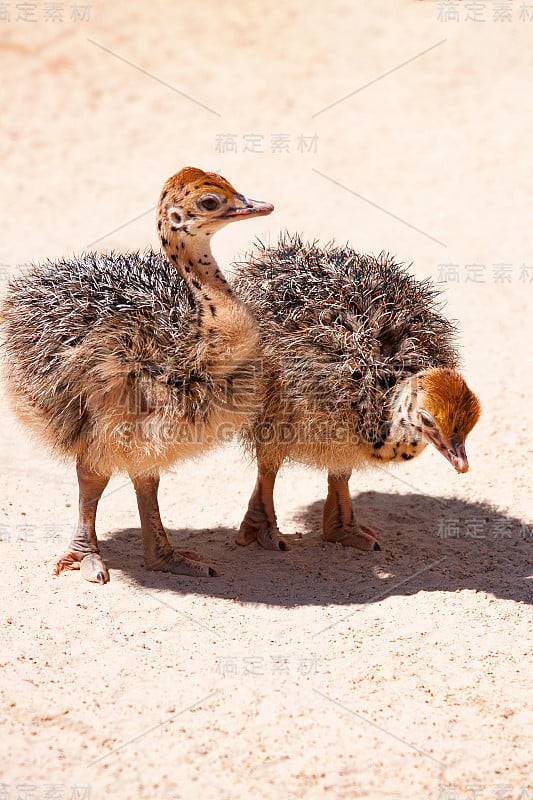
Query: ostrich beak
pixel 453 451
pixel 249 208
pixel 456 455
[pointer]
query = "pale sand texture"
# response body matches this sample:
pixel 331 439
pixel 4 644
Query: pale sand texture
pixel 421 687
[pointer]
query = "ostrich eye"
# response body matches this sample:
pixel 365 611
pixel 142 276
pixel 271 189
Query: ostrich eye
pixel 427 419
pixel 209 203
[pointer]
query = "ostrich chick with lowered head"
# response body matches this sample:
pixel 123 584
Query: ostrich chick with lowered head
pixel 359 369
pixel 133 362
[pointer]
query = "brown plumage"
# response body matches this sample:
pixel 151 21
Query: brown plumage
pixel 131 362
pixel 359 368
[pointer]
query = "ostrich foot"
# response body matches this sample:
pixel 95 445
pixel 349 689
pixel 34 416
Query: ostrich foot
pixel 158 554
pixel 338 521
pixel 260 523
pixel 83 552
pixel 182 563
pixel 353 535
pixel 256 527
pixel 91 565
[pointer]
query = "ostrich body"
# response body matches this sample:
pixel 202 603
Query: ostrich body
pixel 359 370
pixel 133 362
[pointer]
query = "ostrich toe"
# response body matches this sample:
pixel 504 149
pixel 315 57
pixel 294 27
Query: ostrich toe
pixel 93 569
pixel 256 527
pixel 185 563
pixel 91 565
pixel 353 535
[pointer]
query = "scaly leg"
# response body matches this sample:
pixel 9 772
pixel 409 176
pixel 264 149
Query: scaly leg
pixel 338 520
pixel 158 553
pixel 83 551
pixel 260 523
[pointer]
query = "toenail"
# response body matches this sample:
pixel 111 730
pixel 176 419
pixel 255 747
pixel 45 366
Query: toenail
pixel 376 546
pixel 100 577
pixel 212 573
pixel 282 546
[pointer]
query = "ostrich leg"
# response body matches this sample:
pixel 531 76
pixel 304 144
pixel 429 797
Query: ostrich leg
pixel 338 520
pixel 83 551
pixel 260 523
pixel 158 553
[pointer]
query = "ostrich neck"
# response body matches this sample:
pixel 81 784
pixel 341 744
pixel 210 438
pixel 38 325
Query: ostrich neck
pixel 403 410
pixel 402 439
pixel 192 256
pixel 224 323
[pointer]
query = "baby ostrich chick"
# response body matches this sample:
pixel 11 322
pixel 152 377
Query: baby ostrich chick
pixel 133 362
pixel 359 369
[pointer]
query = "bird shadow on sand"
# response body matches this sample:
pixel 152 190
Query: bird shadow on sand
pixel 428 544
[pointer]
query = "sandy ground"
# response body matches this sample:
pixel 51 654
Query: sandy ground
pixel 320 672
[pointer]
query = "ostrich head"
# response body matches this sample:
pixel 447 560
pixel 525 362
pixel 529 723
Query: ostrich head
pixel 445 412
pixel 196 202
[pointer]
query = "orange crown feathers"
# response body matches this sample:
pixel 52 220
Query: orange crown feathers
pixel 455 407
pixel 191 178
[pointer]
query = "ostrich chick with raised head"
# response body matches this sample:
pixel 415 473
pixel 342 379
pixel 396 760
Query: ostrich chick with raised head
pixel 133 362
pixel 360 368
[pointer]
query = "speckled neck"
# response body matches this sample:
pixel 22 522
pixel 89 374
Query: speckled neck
pixel 404 439
pixel 226 330
pixel 192 256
